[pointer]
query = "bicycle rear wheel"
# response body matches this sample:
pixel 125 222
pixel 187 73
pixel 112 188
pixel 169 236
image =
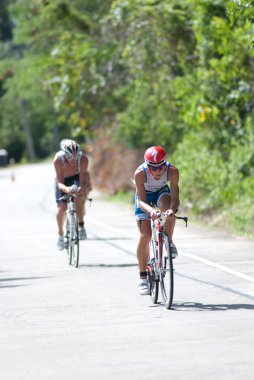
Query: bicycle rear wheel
pixel 75 245
pixel 166 273
pixel 152 281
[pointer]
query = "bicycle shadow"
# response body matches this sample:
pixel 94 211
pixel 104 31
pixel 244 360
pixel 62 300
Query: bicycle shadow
pixel 198 306
pixel 218 286
pixel 109 241
pixel 108 265
pixel 11 279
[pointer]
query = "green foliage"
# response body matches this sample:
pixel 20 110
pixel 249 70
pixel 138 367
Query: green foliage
pixel 156 40
pixel 176 73
pixel 211 184
pixel 26 85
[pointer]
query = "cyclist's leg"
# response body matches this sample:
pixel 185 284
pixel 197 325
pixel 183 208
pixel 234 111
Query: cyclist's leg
pixel 61 209
pixel 164 201
pixel 80 207
pixel 80 200
pixel 164 204
pixel 143 255
pixel 60 216
pixel 144 226
pixel 143 244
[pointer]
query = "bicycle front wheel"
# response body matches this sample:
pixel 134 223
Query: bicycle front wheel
pixel 151 269
pixel 166 273
pixel 75 245
pixel 68 240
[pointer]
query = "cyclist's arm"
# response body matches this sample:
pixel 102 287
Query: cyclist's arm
pixel 174 188
pixel 140 178
pixel 84 176
pixel 60 177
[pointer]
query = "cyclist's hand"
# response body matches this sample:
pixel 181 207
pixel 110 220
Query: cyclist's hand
pixel 73 189
pixel 81 191
pixel 155 214
pixel 169 212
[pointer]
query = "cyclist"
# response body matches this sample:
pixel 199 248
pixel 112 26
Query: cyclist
pixel 151 180
pixel 71 167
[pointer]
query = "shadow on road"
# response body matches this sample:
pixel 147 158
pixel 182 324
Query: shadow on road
pixel 109 238
pixel 198 306
pixel 109 242
pixel 10 279
pixel 108 265
pixel 212 284
pixel 212 307
pixel 12 286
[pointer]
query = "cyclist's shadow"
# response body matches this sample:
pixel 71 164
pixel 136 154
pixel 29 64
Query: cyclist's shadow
pixel 108 265
pixel 198 306
pixel 181 306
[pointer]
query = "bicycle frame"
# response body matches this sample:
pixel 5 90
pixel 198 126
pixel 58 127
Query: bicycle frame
pixel 71 234
pixel 160 266
pixel 158 230
pixel 71 216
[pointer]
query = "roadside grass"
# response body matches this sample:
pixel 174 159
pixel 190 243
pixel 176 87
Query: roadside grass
pixel 229 220
pixel 124 197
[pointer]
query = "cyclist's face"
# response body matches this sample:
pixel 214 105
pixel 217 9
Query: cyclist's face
pixel 72 160
pixel 157 171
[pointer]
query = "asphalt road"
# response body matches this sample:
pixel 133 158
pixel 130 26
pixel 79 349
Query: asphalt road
pixel 62 323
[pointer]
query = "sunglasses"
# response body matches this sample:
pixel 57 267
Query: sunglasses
pixel 155 168
pixel 71 159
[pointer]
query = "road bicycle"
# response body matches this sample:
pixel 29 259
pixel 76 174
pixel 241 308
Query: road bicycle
pixel 71 237
pixel 160 265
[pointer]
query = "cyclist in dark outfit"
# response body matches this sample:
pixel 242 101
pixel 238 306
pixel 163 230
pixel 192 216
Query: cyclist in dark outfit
pixel 71 166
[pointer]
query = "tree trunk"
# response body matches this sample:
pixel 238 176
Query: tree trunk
pixel 26 128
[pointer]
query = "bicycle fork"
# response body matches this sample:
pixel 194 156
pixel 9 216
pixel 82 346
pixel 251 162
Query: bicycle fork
pixel 155 264
pixel 69 232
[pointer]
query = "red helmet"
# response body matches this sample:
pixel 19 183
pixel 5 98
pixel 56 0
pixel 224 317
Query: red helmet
pixel 155 156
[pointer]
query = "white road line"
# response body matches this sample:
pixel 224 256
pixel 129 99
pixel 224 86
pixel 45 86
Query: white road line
pixel 189 255
pixel 218 266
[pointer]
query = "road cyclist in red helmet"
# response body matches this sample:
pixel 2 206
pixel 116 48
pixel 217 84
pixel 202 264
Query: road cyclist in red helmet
pixel 151 181
pixel 72 176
